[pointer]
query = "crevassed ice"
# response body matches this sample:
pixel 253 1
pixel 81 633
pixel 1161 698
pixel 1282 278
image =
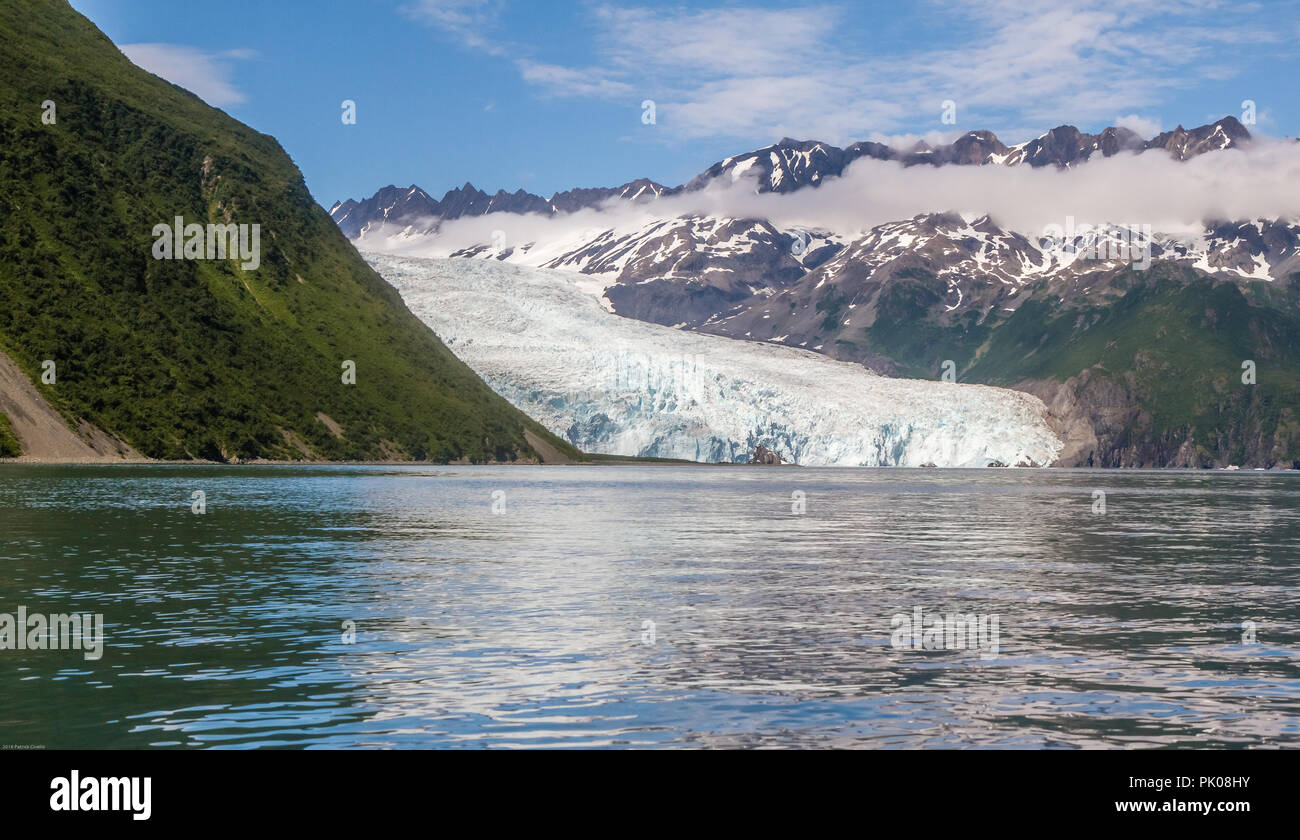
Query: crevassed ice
pixel 613 385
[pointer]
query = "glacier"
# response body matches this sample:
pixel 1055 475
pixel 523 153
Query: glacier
pixel 612 385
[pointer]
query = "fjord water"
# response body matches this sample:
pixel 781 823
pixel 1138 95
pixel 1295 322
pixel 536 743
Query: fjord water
pixel 526 628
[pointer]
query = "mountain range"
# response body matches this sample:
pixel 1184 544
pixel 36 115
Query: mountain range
pixel 784 167
pixel 1140 368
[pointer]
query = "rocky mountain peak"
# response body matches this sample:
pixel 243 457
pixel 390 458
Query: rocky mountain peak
pixel 791 164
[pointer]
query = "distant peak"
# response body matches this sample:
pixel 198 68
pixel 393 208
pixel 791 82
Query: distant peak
pixel 790 142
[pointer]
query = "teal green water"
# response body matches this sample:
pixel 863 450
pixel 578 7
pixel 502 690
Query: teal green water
pixel 528 627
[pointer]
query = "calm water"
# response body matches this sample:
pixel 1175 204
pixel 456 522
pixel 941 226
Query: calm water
pixel 526 629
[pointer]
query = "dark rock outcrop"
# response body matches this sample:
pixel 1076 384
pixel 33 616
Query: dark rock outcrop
pixel 767 457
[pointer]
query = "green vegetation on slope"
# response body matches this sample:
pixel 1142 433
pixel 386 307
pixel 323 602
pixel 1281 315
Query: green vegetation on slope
pixel 8 443
pixel 1150 360
pixel 903 332
pixel 1174 342
pixel 189 358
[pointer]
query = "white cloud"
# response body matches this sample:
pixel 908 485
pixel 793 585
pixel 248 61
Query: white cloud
pixel 471 21
pixel 566 81
pixel 717 43
pixel 207 75
pixel 1142 126
pixel 1127 189
pixel 907 142
pixel 821 71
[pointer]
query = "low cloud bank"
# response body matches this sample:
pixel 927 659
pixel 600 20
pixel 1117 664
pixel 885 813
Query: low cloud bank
pixel 1129 189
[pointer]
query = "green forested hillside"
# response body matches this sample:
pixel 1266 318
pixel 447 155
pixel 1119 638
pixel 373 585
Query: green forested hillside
pixel 190 358
pixel 1166 349
pixel 1150 360
pixel 8 443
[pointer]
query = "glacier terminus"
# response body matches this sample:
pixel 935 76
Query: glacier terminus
pixel 613 385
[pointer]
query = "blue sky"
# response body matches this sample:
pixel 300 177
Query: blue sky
pixel 548 96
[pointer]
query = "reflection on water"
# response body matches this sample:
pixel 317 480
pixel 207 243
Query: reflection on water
pixel 769 628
